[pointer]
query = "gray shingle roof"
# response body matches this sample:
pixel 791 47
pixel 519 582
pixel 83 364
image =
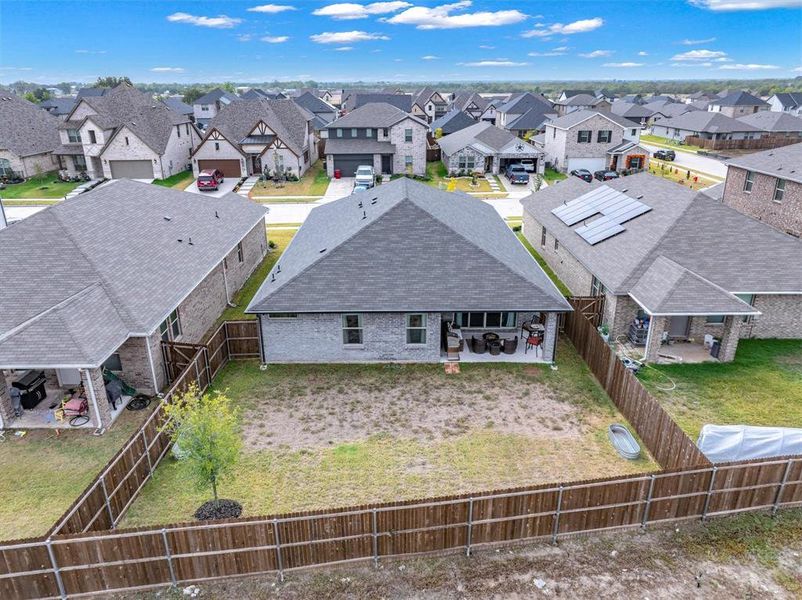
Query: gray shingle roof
pixel 26 129
pixel 518 105
pixel 176 104
pixel 314 104
pixel 790 99
pixel 484 133
pixel 358 146
pixel 683 226
pixel 784 162
pixel 215 95
pixel 740 98
pixel 666 288
pixel 283 116
pixel 416 249
pixel 83 275
pixel 779 122
pixel 452 121
pixel 400 101
pixel 379 114
pixel 534 118
pixel 58 106
pixel 707 122
pixel 668 109
pixel 580 100
pixel 578 116
pixel 630 110
pixel 463 99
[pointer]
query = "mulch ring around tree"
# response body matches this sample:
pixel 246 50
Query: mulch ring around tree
pixel 218 509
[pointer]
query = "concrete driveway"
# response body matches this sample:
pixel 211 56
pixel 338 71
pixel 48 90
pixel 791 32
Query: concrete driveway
pixel 339 188
pixel 224 188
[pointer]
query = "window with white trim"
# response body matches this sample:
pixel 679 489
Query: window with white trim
pixel 485 320
pixel 73 136
pixel 416 328
pixel 352 329
pixel 749 181
pixel 779 190
pixel 170 329
pixel 407 135
pixel 604 136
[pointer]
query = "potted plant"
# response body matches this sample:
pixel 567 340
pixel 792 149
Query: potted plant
pixel 604 330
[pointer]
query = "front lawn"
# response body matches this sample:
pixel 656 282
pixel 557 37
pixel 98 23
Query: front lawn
pixel 656 140
pixel 281 237
pixel 313 183
pixel 43 473
pixel 46 185
pixel 762 386
pixel 544 265
pixel 336 435
pixel 179 181
pixel 439 178
pixel 553 175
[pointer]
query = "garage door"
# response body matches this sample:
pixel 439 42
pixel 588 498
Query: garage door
pixel 348 163
pixel 132 169
pixel 591 164
pixel 230 167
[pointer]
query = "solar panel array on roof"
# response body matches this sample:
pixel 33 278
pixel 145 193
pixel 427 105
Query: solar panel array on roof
pixel 614 207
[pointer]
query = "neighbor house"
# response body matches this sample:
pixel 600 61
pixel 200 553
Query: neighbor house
pixel 400 101
pixel 580 102
pixel 517 105
pixel 593 140
pixel 393 273
pixel 706 125
pixel 380 135
pixel 670 264
pixel 662 109
pixel 532 122
pixel 58 107
pixel 121 268
pixel 324 112
pixel 768 186
pixel 632 111
pixel 485 148
pixel 125 133
pixel 452 121
pixel 787 102
pixel 429 104
pixel 28 136
pixel 177 104
pixel 737 104
pixel 251 137
pixel 207 106
pixel 471 103
pixel 782 127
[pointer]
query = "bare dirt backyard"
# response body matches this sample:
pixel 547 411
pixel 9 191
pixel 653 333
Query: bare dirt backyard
pixel 336 435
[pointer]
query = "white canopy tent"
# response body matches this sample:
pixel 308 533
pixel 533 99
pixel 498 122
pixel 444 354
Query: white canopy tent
pixel 722 443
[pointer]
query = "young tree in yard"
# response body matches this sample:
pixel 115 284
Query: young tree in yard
pixel 207 430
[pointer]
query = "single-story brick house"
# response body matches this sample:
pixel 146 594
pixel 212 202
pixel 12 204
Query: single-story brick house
pixel 485 148
pixel 101 279
pixel 28 136
pixel 386 274
pixel 679 262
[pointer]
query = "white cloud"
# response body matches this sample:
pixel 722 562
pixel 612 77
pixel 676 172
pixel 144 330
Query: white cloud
pixel 344 49
pixel 561 51
pixel 581 26
pixel 687 42
pixel 345 37
pixel 345 11
pixel 623 65
pixel 596 54
pixel 748 67
pixel 84 51
pixel 16 68
pixel 493 63
pixel 167 70
pixel 486 47
pixel 271 8
pixel 275 39
pixel 642 53
pixel 696 55
pixel 245 37
pixel 430 57
pixel 798 70
pixel 218 22
pixel 440 17
pixel 692 64
pixel 732 5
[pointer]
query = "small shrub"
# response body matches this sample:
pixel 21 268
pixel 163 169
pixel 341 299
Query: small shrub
pixel 272 245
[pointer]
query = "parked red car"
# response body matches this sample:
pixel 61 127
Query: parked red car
pixel 209 180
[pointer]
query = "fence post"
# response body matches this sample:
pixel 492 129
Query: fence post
pixel 147 450
pixel 709 493
pixel 279 562
pixel 197 373
pixel 556 526
pixel 780 489
pixel 648 506
pixel 375 538
pixel 62 592
pixel 208 366
pixel 228 341
pixel 169 556
pixel 108 505
pixel 469 536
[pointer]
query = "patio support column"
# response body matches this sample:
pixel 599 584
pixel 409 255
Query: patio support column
pixel 6 409
pixel 96 396
pixel 730 337
pixel 657 326
pixel 550 337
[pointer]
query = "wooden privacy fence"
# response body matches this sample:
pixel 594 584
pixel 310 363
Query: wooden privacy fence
pixel 136 559
pixel 667 442
pixel 761 143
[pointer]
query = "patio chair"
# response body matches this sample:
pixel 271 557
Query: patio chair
pixel 510 346
pixel 478 345
pixel 533 341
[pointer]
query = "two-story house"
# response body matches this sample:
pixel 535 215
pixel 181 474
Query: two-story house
pixel 470 103
pixel 429 104
pixel 768 186
pixel 379 134
pixel 28 136
pixel 519 104
pixel 788 102
pixel 250 137
pixel 737 104
pixel 125 133
pixel 580 102
pixel 207 106
pixel 593 140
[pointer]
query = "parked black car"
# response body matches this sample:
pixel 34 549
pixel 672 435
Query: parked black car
pixel 665 154
pixel 583 174
pixel 605 175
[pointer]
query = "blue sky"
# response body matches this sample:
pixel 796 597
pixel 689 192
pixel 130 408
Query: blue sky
pixel 164 40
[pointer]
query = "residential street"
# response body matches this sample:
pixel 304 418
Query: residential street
pixel 693 161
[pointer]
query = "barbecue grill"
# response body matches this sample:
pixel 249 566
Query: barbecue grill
pixel 32 388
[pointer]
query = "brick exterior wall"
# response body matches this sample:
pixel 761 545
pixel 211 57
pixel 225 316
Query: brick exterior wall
pixel 781 317
pixel 619 312
pixel 561 146
pixel 416 148
pixel 759 203
pixel 28 165
pixel 452 162
pixel 6 409
pixel 136 149
pixel 562 262
pixel 178 153
pixel 207 151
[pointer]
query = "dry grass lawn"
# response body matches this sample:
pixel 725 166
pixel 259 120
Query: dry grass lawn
pixel 336 435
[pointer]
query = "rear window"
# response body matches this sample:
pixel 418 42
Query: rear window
pixel 517 167
pixel 205 178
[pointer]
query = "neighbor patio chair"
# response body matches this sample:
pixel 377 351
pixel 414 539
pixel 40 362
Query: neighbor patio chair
pixel 478 345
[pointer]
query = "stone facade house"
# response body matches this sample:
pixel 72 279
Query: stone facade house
pixel 381 135
pixel 485 148
pixel 737 104
pixel 429 104
pixel 768 186
pixel 658 255
pixel 207 106
pixel 250 137
pixel 594 140
pixel 120 269
pixel 125 133
pixel 385 275
pixel 28 136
